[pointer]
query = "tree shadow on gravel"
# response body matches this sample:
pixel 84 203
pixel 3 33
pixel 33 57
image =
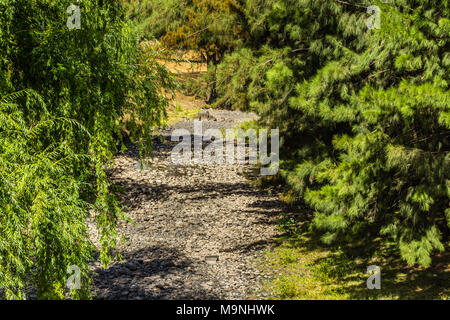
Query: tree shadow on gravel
pixel 253 246
pixel 219 190
pixel 148 274
pixel 205 191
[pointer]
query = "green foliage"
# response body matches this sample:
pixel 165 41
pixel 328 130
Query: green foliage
pixel 363 114
pixel 239 79
pixel 154 18
pixel 213 27
pixel 42 218
pixel 393 175
pixel 75 92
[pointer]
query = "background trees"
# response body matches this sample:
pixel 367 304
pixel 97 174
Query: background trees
pixel 154 18
pixel 364 116
pixel 212 27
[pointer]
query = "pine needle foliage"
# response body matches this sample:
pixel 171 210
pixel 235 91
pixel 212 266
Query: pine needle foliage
pixel 363 114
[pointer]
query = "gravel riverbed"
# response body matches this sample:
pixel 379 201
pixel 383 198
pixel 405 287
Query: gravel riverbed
pixel 197 229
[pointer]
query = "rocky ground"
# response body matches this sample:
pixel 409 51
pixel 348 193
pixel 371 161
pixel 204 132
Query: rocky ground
pixel 197 229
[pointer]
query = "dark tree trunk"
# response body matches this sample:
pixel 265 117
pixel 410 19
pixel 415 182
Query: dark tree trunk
pixel 212 94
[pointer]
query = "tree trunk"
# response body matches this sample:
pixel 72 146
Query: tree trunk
pixel 212 94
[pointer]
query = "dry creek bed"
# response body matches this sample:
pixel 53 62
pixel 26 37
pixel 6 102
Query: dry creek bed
pixel 197 230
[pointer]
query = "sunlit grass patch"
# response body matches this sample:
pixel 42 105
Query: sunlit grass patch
pixel 303 269
pixel 297 275
pixel 177 112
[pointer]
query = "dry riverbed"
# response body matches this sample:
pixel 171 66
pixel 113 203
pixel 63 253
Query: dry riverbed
pixel 197 229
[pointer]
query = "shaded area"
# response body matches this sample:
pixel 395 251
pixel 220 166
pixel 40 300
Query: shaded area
pixel 136 274
pixel 341 273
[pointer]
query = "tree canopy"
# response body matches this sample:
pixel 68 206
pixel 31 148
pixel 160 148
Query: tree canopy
pixel 64 96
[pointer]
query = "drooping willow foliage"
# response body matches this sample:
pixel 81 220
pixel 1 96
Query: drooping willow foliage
pixel 66 97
